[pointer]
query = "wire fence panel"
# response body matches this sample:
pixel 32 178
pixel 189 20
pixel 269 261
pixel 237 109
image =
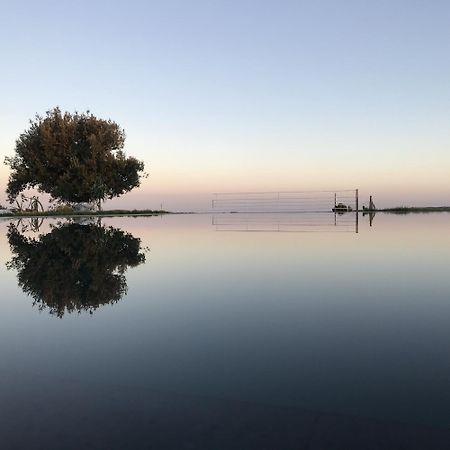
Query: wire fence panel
pixel 295 201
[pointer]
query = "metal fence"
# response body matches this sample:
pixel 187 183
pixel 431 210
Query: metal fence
pixel 287 201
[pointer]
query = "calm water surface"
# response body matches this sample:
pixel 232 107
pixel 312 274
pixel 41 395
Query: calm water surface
pixel 272 310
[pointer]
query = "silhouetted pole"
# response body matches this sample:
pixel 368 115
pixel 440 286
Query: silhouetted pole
pixel 357 208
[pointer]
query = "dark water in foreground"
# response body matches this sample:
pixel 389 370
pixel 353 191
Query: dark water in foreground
pixel 138 333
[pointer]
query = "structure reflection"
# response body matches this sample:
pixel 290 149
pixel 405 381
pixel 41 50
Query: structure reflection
pixel 371 215
pixel 339 221
pixel 75 267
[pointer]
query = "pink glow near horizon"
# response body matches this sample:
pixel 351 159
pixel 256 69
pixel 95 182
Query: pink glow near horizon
pixel 195 193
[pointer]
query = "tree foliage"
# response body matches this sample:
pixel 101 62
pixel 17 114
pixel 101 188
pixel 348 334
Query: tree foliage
pixel 74 267
pixel 74 158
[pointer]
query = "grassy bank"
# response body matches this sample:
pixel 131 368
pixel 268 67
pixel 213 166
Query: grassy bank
pixel 105 213
pixel 415 209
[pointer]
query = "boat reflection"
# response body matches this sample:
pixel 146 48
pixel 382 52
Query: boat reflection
pixel 75 267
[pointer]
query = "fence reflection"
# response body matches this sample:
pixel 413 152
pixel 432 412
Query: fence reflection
pixel 281 222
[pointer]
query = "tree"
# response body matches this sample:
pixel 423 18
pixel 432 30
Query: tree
pixel 74 267
pixel 74 158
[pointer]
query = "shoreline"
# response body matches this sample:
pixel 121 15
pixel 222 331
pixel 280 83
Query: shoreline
pixel 412 209
pixel 149 213
pixel 106 213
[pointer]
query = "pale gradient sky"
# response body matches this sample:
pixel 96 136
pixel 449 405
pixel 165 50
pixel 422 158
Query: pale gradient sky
pixel 220 95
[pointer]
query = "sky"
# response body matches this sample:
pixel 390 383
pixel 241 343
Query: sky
pixel 243 95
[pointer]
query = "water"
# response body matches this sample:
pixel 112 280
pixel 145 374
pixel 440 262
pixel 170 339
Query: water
pixel 281 311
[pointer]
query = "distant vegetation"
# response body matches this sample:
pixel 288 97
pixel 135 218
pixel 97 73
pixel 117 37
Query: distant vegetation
pixel 415 209
pixel 76 158
pixel 70 212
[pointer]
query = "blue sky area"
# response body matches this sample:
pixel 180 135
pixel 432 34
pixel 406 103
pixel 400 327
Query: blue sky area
pixel 244 95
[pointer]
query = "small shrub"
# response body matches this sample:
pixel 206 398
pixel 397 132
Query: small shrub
pixel 63 209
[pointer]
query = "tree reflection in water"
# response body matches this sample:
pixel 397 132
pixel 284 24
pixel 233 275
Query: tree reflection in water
pixel 74 267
